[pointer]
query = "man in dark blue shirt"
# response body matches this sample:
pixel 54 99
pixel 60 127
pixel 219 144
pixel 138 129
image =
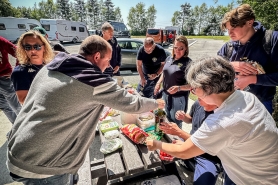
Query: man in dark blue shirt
pixel 150 63
pixel 115 62
pixel 254 59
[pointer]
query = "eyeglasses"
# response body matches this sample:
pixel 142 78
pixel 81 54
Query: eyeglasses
pixel 178 48
pixel 193 91
pixel 29 47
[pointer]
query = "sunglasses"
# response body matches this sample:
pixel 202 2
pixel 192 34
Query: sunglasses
pixel 178 48
pixel 29 47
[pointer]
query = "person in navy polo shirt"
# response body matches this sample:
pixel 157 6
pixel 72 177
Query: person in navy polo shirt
pixel 150 62
pixel 175 91
pixel 33 52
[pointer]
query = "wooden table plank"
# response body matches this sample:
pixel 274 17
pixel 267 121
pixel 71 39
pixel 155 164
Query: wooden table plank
pixel 113 163
pixel 84 172
pixel 150 158
pixel 131 157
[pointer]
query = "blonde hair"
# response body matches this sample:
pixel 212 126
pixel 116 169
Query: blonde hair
pixel 21 53
pixel 183 40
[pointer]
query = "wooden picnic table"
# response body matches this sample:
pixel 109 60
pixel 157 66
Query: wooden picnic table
pixel 132 160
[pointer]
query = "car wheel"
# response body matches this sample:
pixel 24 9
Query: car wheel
pixel 74 40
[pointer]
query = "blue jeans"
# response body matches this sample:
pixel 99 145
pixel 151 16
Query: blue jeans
pixel 8 100
pixel 178 103
pixel 53 180
pixel 205 171
pixel 147 90
pixel 268 106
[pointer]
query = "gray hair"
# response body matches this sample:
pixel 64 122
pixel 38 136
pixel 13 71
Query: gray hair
pixel 213 75
pixel 148 41
pixel 106 26
pixel 94 44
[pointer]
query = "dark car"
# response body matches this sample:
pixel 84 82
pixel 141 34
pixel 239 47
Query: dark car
pixel 129 51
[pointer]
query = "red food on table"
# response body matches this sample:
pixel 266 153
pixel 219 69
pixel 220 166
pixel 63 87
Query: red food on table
pixel 136 134
pixel 166 157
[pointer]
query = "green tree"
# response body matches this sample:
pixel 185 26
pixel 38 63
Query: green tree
pixel 139 19
pixel 175 19
pixel 118 14
pixel 151 16
pixel 201 14
pixel 265 11
pixel 93 9
pixel 63 9
pixel 6 9
pixel 47 9
pixel 80 10
pixel 109 10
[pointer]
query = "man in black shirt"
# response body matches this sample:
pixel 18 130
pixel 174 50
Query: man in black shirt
pixel 150 63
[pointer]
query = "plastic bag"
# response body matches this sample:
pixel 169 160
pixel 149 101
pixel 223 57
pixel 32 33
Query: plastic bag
pixel 105 127
pixel 136 134
pixel 111 134
pixel 109 146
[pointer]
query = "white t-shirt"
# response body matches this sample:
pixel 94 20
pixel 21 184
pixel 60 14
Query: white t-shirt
pixel 244 136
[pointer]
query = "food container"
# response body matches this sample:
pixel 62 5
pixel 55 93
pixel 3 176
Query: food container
pixel 145 120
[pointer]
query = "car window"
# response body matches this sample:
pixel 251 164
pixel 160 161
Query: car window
pixel 136 45
pixel 122 44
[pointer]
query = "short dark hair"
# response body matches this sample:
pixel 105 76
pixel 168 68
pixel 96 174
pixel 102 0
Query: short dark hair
pixel 148 41
pixel 238 16
pixel 94 44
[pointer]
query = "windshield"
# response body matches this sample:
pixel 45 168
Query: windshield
pixel 153 31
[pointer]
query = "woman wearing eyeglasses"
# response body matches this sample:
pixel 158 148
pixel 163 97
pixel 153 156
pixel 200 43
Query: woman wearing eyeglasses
pixel 33 52
pixel 175 91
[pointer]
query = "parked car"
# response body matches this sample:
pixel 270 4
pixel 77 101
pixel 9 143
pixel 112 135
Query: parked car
pixel 129 51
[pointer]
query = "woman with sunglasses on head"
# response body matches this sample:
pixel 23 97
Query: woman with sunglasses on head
pixel 33 52
pixel 175 91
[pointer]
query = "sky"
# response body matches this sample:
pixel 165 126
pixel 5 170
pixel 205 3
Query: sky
pixel 165 8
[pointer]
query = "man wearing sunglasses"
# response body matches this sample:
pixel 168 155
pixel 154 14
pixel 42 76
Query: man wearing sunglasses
pixel 8 100
pixel 150 63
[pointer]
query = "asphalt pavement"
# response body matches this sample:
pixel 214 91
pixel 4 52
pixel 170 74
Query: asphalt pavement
pixel 199 48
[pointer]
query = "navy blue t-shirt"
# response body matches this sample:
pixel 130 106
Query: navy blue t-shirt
pixel 174 73
pixel 151 62
pixel 199 115
pixel 23 76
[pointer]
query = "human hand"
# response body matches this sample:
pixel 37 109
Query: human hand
pixel 178 142
pixel 170 128
pixel 173 89
pixel 156 89
pixel 116 69
pixel 161 103
pixel 152 76
pixel 243 81
pixel 180 115
pixel 143 82
pixel 151 144
pixel 244 68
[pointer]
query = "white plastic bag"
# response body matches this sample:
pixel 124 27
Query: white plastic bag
pixel 109 146
pixel 111 134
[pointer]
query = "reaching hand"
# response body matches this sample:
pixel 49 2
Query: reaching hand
pixel 116 69
pixel 180 115
pixel 161 103
pixel 173 89
pixel 143 82
pixel 151 145
pixel 170 128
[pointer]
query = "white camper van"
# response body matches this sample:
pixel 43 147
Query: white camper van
pixel 64 30
pixel 12 28
pixel 176 28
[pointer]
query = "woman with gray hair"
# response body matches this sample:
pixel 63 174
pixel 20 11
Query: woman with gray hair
pixel 241 132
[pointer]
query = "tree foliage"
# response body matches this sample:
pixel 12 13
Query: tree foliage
pixel 80 10
pixel 139 19
pixel 6 9
pixel 265 11
pixel 63 9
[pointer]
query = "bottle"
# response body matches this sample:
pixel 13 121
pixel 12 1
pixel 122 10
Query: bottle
pixel 159 118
